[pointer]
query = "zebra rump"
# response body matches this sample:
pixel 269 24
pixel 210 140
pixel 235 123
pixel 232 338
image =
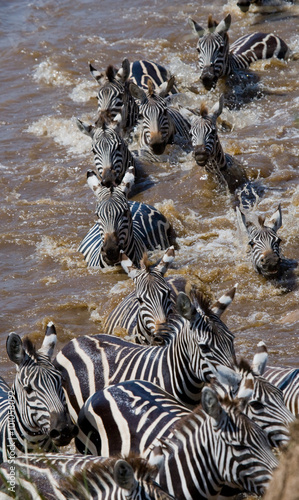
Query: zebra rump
pixel 77 477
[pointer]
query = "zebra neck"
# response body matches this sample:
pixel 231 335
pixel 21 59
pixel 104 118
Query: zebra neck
pixel 240 61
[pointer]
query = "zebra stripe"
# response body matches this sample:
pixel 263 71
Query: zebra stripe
pixel 263 241
pixel 77 477
pixel 194 336
pixel 111 154
pixel 287 380
pixel 217 59
pixel 128 226
pixel 33 412
pixel 201 451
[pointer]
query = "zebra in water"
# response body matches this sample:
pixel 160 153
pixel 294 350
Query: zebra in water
pixel 264 5
pixel 264 244
pixel 111 154
pixel 129 226
pixel 77 477
pixel 194 335
pixel 146 311
pixel 114 96
pixel 216 58
pixel 202 451
pixel 33 411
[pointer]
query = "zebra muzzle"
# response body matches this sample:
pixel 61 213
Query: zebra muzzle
pixel 62 430
pixel 208 78
pixel 201 155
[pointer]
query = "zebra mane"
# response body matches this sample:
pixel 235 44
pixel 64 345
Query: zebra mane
pixel 110 73
pixel 143 470
pixel 145 263
pixel 104 119
pixel 150 87
pixel 244 366
pixel 212 24
pixel 33 352
pixel 204 110
pixel 261 220
pixel 202 301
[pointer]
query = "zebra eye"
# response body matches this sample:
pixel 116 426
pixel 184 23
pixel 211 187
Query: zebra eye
pixel 257 405
pixel 251 243
pixel 204 348
pixel 139 300
pixel 198 49
pixel 28 389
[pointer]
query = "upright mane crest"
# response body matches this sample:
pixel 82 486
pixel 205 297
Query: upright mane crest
pixel 204 110
pixel 104 119
pixel 150 87
pixel 202 301
pixel 110 73
pixel 212 24
pixel 145 263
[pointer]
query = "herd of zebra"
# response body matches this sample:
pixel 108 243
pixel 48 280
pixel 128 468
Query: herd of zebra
pixel 168 412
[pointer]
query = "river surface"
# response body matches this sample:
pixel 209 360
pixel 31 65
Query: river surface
pixel 47 207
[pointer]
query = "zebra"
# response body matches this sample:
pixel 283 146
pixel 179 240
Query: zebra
pixel 114 95
pixel 264 244
pixel 146 311
pixel 263 5
pixel 158 121
pixel 179 366
pixel 77 477
pixel 33 411
pixel 285 378
pixel 208 151
pixel 202 451
pixel 111 154
pixel 217 59
pixel 129 226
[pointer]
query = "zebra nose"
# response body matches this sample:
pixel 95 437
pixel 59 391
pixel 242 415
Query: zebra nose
pixel 243 5
pixel 200 155
pixel 208 77
pixel 270 262
pixel 156 143
pixel 108 177
pixel 62 430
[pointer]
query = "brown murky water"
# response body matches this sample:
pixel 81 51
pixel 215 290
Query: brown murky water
pixel 47 208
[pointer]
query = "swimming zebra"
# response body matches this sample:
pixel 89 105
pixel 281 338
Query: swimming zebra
pixel 267 6
pixel 33 411
pixel 114 96
pixel 129 226
pixel 216 58
pixel 77 477
pixel 179 366
pixel 264 244
pixel 111 154
pixel 146 311
pixel 159 123
pixel 201 451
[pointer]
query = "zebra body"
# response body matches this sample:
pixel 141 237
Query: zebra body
pixel 216 58
pixel 128 226
pixel 287 380
pixel 195 339
pixel 111 154
pixel 33 411
pixel 201 450
pixel 77 477
pixel 263 241
pixel 263 5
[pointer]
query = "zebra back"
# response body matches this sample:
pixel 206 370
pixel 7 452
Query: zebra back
pixel 141 416
pixel 77 477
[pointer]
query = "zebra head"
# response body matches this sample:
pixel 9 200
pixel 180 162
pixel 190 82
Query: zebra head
pixel 210 341
pixel 240 447
pixel 156 124
pixel 40 403
pixel 114 216
pixel 213 50
pixel 264 242
pixel 244 4
pixel 260 400
pixel 204 136
pixel 111 154
pixel 152 293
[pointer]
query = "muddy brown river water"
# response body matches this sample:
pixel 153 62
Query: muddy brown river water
pixel 47 208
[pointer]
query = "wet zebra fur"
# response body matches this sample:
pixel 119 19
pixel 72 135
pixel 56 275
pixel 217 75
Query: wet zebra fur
pixel 33 411
pixel 263 6
pixel 112 156
pixel 148 309
pixel 216 58
pixel 128 226
pixel 194 340
pixel 201 451
pixel 77 477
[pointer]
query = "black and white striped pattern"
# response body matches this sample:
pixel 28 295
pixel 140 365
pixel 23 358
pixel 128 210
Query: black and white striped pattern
pixel 33 412
pixel 263 241
pixel 77 477
pixel 201 451
pixel 217 59
pixel 194 335
pixel 287 380
pixel 111 154
pixel 128 226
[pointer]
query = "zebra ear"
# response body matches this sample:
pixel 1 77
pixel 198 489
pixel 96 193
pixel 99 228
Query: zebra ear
pixel 93 182
pixel 14 348
pixel 225 300
pixel 184 306
pixel 85 128
pixel 260 359
pixel 128 180
pixel 224 25
pixel 217 108
pixel 99 77
pixel 49 341
pixel 241 218
pixel 227 377
pixel 275 221
pixel 165 87
pixel 123 475
pixel 196 28
pixel 210 403
pixel 125 70
pixel 166 260
pixel 137 92
pixel 128 266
